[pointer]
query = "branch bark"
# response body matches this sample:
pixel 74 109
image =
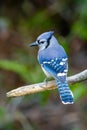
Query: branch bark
pixel 40 87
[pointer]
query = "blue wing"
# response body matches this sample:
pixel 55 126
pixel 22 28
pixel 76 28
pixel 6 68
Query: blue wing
pixel 56 66
pixel 58 69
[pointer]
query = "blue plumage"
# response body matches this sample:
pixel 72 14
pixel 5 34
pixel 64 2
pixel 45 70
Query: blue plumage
pixel 54 62
pixel 65 93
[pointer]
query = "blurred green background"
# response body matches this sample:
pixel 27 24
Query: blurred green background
pixel 21 21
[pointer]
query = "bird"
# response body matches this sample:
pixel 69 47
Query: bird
pixel 54 63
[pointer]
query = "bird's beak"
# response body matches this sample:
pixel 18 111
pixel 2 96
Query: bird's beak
pixel 33 44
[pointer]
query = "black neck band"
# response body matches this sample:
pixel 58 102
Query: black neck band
pixel 48 42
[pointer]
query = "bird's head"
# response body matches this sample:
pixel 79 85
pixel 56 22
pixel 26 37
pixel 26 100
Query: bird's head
pixel 43 41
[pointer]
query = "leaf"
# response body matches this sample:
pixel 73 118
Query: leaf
pixel 79 90
pixel 15 67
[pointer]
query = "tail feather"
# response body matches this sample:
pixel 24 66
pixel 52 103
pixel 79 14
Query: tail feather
pixel 66 94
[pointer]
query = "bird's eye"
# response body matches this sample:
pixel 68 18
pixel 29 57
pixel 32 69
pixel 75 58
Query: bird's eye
pixel 42 42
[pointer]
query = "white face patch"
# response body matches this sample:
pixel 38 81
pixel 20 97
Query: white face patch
pixel 61 74
pixel 42 44
pixel 43 40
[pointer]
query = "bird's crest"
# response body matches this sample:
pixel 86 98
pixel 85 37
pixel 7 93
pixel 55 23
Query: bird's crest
pixel 46 35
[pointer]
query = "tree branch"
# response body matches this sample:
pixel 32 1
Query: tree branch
pixel 40 87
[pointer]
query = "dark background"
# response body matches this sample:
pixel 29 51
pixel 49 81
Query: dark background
pixel 21 21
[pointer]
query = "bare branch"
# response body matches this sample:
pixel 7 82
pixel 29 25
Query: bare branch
pixel 40 87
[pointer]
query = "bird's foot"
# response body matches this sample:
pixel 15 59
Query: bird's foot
pixel 46 81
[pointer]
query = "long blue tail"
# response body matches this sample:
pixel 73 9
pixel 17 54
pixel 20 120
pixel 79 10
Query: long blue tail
pixel 66 94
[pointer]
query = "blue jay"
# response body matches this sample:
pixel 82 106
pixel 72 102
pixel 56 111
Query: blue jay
pixel 54 63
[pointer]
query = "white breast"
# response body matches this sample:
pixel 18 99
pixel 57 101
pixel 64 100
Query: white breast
pixel 46 73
